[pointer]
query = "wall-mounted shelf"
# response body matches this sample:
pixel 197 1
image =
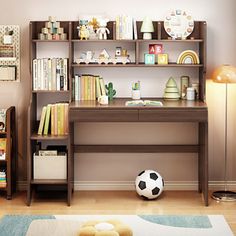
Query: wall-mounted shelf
pixel 13 49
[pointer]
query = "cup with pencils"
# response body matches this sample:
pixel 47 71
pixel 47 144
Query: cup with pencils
pixel 136 90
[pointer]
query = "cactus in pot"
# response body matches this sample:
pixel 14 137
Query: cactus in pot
pixel 110 91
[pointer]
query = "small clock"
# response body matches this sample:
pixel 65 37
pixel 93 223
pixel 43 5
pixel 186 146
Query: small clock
pixel 178 24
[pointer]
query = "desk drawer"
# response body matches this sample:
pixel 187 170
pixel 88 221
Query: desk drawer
pixel 103 115
pixel 173 115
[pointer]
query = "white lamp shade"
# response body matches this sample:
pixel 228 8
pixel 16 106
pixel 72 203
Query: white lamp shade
pixel 147 26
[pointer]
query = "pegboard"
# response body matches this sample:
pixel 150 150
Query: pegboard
pixel 14 58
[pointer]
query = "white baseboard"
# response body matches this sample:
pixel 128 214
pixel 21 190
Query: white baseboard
pixel 129 185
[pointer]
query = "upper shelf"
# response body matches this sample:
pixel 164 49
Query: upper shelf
pixel 137 65
pixel 159 34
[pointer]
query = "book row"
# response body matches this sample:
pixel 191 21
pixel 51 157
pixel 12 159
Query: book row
pixel 3 146
pixel 124 27
pixel 54 119
pixel 87 87
pixel 3 179
pixel 50 74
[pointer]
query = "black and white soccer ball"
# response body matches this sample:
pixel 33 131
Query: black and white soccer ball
pixel 149 184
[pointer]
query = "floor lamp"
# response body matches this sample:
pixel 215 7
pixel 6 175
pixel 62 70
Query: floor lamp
pixel 225 74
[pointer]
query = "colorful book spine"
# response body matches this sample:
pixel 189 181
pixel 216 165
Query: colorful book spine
pixel 47 119
pixel 42 119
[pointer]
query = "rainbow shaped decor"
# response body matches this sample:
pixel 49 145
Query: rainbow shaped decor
pixel 188 57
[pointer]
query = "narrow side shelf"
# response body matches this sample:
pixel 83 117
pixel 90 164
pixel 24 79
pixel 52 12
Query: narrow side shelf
pixel 49 181
pixel 9 163
pixel 48 137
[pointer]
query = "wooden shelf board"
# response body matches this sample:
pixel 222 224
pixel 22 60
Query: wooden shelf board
pixel 48 137
pixel 105 65
pixel 3 189
pixel 50 91
pixel 49 181
pixel 3 133
pixel 170 41
pixel 49 41
pixel 141 64
pixel 103 41
pixel 137 40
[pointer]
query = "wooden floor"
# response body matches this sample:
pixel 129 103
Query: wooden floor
pixel 119 202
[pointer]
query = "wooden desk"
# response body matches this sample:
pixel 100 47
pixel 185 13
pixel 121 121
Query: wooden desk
pixel 172 111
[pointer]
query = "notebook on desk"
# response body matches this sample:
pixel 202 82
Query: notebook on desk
pixel 144 103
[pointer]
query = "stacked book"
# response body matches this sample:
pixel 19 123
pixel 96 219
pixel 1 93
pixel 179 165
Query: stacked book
pixel 3 180
pixel 124 27
pixel 54 119
pixel 88 87
pixel 50 74
pixel 3 147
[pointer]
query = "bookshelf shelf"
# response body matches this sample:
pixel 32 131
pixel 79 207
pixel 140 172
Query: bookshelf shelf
pixel 49 41
pixel 50 91
pixel 50 72
pixel 9 164
pixel 49 181
pixel 49 137
pixel 141 64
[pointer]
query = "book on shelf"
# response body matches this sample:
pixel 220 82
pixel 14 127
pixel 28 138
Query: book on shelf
pixel 102 86
pixel 54 119
pixel 47 118
pixel 85 87
pixel 3 120
pixel 3 178
pixel 47 152
pixel 144 103
pixel 50 74
pixel 135 30
pixel 3 147
pixel 124 27
pixel 41 122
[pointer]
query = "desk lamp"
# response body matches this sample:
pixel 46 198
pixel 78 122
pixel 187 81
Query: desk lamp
pixel 225 74
pixel 147 28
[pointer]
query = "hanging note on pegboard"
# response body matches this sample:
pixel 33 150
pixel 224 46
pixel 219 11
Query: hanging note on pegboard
pixel 9 53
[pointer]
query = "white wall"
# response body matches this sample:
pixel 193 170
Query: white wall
pixel 221 48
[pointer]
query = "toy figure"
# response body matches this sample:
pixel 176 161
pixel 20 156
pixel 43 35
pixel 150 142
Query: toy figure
pixel 83 30
pixel 102 30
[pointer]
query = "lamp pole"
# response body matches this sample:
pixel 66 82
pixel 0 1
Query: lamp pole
pixel 225 195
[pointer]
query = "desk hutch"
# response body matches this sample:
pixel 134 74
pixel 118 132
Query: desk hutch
pixel 116 111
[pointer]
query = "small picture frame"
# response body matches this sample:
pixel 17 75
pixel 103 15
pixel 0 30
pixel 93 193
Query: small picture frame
pixel 184 84
pixel 118 51
pixel 162 58
pixel 149 59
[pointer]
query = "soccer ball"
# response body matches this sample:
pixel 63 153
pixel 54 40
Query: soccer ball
pixel 149 184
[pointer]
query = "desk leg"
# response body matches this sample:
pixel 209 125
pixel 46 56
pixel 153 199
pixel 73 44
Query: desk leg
pixel 70 164
pixel 203 160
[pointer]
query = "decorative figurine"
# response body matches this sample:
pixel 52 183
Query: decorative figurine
pixel 110 91
pixel 102 30
pixel 104 57
pixel 83 30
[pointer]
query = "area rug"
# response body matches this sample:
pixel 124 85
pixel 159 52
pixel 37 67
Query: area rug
pixel 141 225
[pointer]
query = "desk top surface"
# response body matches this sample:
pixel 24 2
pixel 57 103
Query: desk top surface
pixel 119 103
